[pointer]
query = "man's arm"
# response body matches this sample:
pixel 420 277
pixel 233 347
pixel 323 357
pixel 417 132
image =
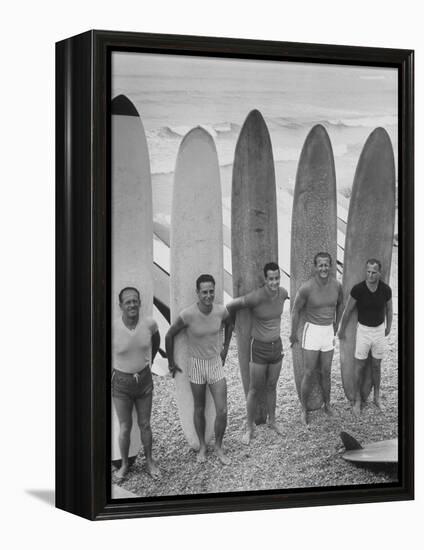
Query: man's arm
pixel 389 317
pixel 174 329
pixel 351 303
pixel 299 303
pixel 235 305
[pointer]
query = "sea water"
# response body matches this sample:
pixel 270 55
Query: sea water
pixel 173 94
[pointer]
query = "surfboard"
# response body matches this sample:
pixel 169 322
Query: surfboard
pixel 120 492
pixel 132 225
pixel 254 231
pixel 196 248
pixel 382 451
pixel 314 229
pixel 369 234
pixel 162 234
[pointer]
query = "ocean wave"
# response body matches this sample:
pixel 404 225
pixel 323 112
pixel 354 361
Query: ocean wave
pixel 228 128
pixel 177 132
pixel 361 122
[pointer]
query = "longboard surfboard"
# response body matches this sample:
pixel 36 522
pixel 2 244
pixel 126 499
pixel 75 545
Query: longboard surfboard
pixel 254 231
pixel 132 225
pixel 120 492
pixel 380 452
pixel 196 248
pixel 369 234
pixel 162 234
pixel 314 229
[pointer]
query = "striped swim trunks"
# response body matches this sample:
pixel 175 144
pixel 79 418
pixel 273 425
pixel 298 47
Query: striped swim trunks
pixel 205 371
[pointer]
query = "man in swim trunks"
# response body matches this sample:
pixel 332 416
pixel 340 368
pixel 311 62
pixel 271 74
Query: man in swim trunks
pixel 321 301
pixel 203 323
pixel 135 343
pixel 373 301
pixel 266 306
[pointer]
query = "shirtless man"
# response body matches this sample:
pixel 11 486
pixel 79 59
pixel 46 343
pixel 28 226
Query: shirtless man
pixel 321 299
pixel 135 343
pixel 373 300
pixel 203 322
pixel 266 305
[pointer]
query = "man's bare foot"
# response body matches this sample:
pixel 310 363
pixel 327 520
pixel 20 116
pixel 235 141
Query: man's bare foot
pixel 153 469
pixel 276 427
pixel 356 409
pixel 201 455
pixel 222 456
pixel 305 417
pixel 377 404
pixel 247 436
pixel 328 410
pixel 122 472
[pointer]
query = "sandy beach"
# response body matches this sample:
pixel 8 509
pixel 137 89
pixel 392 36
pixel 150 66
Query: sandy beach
pixel 303 457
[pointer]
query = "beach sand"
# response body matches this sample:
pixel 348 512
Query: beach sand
pixel 302 457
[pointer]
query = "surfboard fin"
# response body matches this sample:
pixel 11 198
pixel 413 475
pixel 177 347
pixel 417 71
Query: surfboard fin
pixel 350 442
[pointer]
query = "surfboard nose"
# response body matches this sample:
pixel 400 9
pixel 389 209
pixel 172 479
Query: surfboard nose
pixel 121 105
pixel 317 144
pixel 378 148
pixel 200 136
pixel 254 122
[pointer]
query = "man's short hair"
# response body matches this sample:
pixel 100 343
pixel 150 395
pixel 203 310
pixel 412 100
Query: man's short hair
pixel 374 261
pixel 322 255
pixel 270 266
pixel 128 288
pixel 204 278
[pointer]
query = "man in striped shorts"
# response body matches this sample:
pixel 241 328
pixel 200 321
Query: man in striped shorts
pixel 203 322
pixel 321 299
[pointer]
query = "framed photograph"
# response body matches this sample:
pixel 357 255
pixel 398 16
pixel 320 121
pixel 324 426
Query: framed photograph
pixel 234 275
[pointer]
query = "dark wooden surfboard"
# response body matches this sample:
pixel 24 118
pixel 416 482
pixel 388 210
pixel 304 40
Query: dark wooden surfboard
pixel 314 229
pixel 369 234
pixel 254 233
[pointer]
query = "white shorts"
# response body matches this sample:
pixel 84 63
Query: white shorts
pixel 370 339
pixel 318 337
pixel 205 371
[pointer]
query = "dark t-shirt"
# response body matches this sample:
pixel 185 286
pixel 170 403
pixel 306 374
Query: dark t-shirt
pixel 371 306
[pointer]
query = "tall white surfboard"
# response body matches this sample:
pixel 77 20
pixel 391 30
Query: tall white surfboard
pixel 196 248
pixel 132 225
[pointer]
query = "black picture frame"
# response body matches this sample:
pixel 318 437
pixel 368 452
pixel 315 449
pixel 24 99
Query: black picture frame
pixel 82 260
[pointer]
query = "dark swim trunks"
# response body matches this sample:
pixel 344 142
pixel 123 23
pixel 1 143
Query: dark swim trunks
pixel 132 386
pixel 266 353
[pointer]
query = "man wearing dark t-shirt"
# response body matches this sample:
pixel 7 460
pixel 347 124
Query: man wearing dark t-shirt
pixel 373 301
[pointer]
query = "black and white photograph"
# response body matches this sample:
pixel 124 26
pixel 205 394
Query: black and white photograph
pixel 254 275
pixel 169 165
